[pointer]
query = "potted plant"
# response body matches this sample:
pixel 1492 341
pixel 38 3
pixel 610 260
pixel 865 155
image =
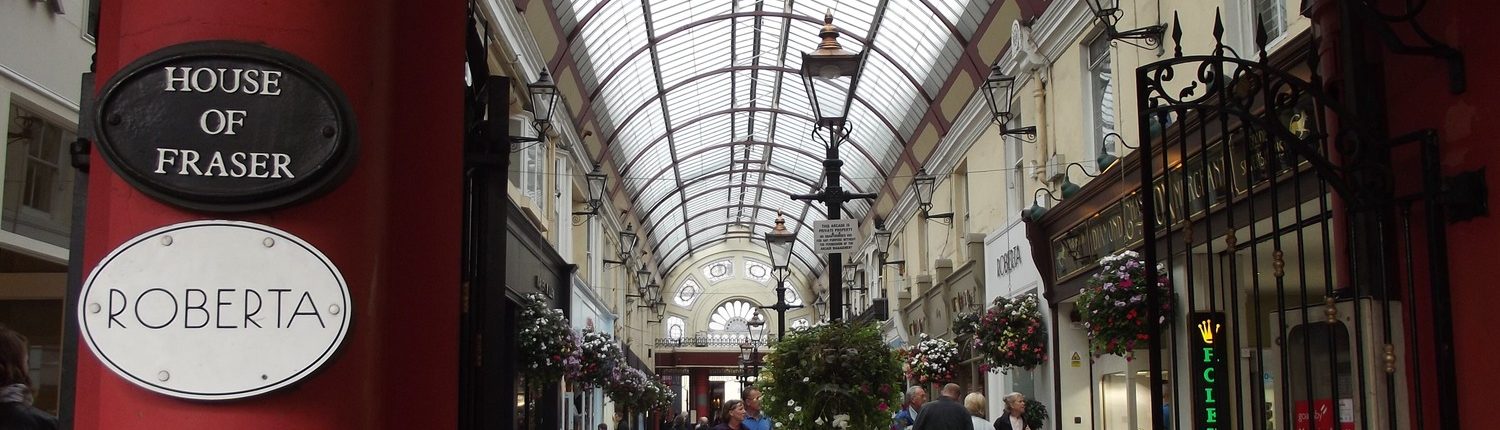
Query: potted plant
pixel 835 375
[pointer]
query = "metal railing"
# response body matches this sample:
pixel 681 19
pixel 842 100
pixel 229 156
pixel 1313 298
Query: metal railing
pixel 709 340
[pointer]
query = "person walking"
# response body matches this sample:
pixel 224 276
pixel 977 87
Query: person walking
pixel 754 419
pixel 975 404
pixel 1015 406
pixel 16 411
pixel 732 417
pixel 945 413
pixel 907 416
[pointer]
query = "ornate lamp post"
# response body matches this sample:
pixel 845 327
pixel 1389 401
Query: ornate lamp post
pixel 831 75
pixel 595 179
pixel 779 244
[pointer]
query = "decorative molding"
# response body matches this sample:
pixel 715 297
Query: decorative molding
pixel 32 85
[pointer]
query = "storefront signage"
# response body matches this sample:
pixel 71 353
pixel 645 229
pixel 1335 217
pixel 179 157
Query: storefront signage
pixel 225 127
pixel 1210 377
pixel 214 310
pixel 1009 261
pixel 1184 192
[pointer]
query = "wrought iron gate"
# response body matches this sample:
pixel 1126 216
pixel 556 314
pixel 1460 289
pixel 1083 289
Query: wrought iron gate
pixel 1273 214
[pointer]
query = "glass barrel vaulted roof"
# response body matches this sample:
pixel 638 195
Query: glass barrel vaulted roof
pixel 702 111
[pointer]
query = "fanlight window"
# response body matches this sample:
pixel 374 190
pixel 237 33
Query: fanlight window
pixel 801 323
pixel 687 293
pixel 757 271
pixel 675 327
pixel 718 271
pixel 792 298
pixel 733 316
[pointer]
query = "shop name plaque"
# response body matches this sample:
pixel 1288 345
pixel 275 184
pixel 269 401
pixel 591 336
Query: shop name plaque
pixel 225 127
pixel 214 310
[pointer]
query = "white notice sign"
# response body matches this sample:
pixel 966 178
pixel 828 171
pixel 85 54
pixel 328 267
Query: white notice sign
pixel 214 310
pixel 835 235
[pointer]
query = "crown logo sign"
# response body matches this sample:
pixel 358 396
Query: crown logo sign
pixel 1207 329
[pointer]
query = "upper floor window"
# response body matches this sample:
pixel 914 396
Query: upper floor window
pixel 675 327
pixel 757 271
pixel 1101 91
pixel 718 271
pixel 791 296
pixel 1272 14
pixel 37 178
pixel 1015 177
pixel 529 166
pixel 733 316
pixel 687 293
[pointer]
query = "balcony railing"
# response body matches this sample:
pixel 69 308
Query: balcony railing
pixel 708 340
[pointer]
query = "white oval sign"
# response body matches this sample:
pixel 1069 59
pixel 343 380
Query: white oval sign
pixel 214 310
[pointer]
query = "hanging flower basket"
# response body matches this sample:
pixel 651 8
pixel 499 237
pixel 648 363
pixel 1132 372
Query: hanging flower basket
pixel 965 323
pixel 1011 334
pixel 627 386
pixel 1114 308
pixel 548 346
pixel 599 356
pixel 835 375
pixel 931 361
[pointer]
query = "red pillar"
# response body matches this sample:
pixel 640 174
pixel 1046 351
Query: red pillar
pixel 392 228
pixel 700 393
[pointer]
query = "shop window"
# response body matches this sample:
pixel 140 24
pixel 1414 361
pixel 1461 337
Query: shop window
pixel 37 201
pixel 1101 94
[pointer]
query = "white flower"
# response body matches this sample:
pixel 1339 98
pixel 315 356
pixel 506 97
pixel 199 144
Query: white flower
pixel 841 421
pixel 790 403
pixel 798 409
pixel 806 379
pixel 818 421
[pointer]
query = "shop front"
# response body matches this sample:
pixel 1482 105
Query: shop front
pixel 1283 312
pixel 1010 273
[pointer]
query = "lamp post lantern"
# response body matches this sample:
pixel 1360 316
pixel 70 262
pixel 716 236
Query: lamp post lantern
pixel 831 75
pixel 779 243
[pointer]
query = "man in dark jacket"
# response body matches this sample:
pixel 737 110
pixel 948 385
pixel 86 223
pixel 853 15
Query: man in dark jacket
pixel 945 413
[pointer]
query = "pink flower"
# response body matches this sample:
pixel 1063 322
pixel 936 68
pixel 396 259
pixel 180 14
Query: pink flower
pixel 882 406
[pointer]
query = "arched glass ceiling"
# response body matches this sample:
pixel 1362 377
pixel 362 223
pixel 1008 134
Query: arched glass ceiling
pixel 701 110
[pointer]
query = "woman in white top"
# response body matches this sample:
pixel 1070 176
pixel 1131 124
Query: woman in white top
pixel 976 404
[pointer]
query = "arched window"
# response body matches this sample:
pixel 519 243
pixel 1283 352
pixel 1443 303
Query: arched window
pixel 792 298
pixel 687 293
pixel 718 271
pixel 675 327
pixel 757 271
pixel 733 316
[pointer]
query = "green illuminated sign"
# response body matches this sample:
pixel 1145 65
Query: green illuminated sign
pixel 1210 377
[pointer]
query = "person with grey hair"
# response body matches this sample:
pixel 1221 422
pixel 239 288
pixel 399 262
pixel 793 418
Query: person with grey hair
pixel 945 413
pixel 976 404
pixel 1015 405
pixel 907 416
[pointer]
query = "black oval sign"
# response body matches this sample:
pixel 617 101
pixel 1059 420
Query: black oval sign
pixel 226 127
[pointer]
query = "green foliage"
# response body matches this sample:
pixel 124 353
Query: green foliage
pixel 1035 414
pixel 836 375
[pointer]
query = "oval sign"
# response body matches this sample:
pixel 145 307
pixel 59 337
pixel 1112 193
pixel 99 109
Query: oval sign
pixel 225 127
pixel 214 310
